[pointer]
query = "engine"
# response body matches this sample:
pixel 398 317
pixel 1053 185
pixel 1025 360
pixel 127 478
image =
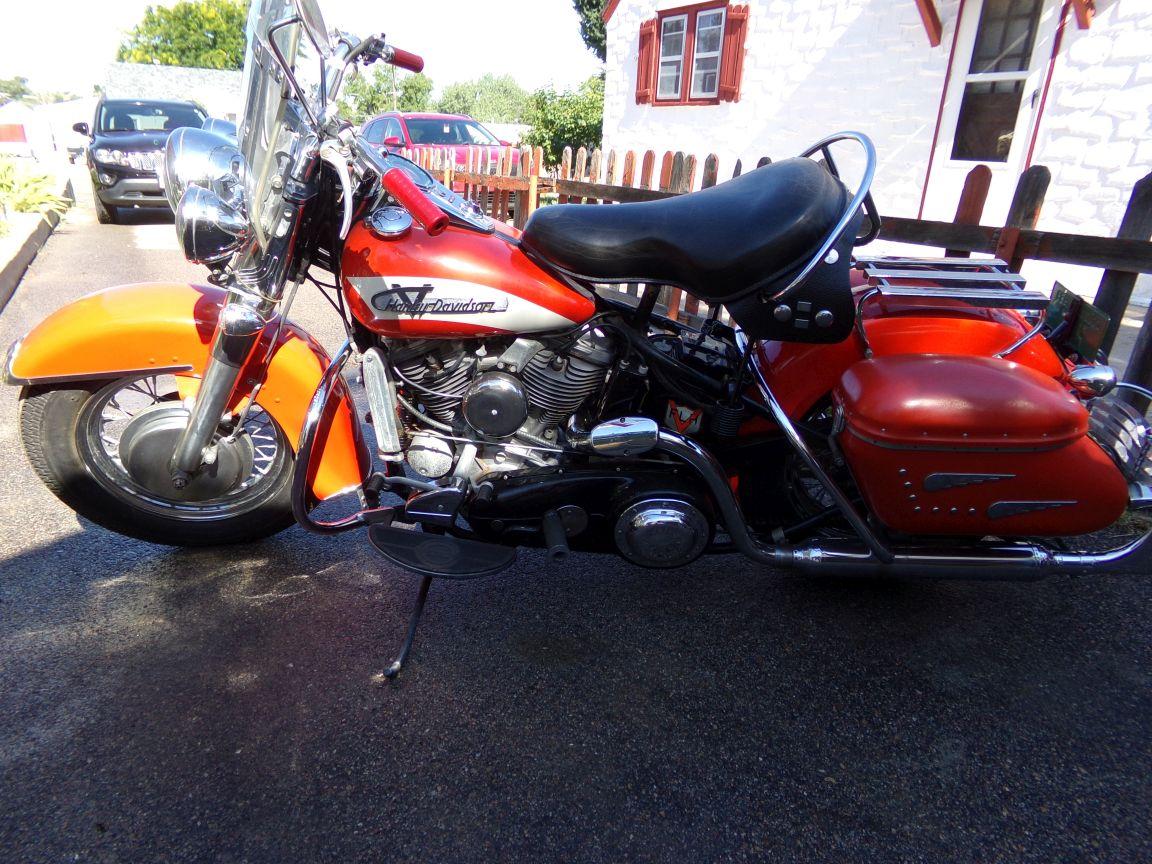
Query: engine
pixel 480 406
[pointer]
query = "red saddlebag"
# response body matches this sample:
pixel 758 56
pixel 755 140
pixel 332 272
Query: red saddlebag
pixel 974 445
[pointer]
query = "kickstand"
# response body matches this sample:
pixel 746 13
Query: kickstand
pixel 392 671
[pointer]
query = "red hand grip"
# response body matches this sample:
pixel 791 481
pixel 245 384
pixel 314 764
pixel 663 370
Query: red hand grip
pixel 415 200
pixel 407 60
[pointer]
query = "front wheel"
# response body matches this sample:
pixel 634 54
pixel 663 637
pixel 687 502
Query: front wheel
pixel 106 214
pixel 102 447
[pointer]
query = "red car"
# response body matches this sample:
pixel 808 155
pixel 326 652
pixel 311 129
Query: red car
pixel 396 130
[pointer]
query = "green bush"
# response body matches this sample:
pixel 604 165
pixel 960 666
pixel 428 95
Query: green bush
pixel 572 118
pixel 25 191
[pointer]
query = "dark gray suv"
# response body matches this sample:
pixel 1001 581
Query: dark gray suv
pixel 128 137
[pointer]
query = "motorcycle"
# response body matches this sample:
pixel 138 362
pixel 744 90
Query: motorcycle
pixel 847 415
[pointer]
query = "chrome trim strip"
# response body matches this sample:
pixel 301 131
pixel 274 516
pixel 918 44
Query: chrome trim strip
pixel 1004 509
pixel 95 376
pixel 940 481
pixel 1019 343
pixel 944 275
pixel 9 378
pixel 930 262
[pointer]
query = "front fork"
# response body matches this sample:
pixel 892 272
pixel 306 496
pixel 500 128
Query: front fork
pixel 237 334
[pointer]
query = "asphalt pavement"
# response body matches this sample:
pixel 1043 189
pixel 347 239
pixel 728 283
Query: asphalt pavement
pixel 163 705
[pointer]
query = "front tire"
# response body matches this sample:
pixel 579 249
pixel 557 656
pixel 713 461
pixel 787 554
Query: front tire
pixel 72 445
pixel 106 214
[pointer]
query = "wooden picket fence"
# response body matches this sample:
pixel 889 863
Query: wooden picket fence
pixel 511 183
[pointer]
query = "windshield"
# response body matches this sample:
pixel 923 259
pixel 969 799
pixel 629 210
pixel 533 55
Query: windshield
pixel 430 130
pixel 272 126
pixel 146 117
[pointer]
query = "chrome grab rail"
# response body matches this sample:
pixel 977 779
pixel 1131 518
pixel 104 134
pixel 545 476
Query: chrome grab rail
pixel 861 198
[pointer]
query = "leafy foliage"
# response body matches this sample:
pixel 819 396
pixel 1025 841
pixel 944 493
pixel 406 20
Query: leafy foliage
pixel 491 98
pixel 592 28
pixel 208 34
pixel 14 89
pixel 25 191
pixel 415 93
pixel 371 93
pixel 572 118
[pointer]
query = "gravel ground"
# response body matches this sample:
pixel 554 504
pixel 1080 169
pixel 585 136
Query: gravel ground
pixel 169 705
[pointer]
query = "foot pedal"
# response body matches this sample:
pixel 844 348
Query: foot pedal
pixel 440 555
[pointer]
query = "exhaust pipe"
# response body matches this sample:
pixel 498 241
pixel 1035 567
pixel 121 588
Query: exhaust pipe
pixel 1000 562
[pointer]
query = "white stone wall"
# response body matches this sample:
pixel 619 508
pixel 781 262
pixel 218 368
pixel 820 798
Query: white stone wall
pixel 818 66
pixel 1096 131
pixel 811 68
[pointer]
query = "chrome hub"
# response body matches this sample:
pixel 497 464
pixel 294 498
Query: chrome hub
pixel 149 440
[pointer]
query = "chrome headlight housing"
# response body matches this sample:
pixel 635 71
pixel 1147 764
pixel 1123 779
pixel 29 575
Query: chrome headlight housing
pixel 197 157
pixel 210 229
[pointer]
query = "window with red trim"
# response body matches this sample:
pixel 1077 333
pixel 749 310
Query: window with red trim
pixel 692 55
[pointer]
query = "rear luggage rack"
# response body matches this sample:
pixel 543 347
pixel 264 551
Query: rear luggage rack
pixel 985 282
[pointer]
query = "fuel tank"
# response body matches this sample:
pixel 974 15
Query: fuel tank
pixel 459 283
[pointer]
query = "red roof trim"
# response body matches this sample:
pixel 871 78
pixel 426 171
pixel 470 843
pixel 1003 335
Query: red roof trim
pixel 931 19
pixel 1085 9
pixel 609 9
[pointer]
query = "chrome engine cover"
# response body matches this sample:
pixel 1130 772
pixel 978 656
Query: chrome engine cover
pixel 662 533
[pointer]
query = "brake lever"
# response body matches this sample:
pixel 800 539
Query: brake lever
pixel 330 152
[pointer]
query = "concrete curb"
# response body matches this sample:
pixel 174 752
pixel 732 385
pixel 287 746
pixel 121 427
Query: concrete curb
pixel 38 235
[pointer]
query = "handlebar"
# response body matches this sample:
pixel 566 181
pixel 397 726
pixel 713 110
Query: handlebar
pixel 404 59
pixel 423 209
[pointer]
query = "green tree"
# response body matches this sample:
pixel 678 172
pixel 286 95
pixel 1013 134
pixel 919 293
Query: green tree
pixel 208 34
pixel 458 98
pixel 491 98
pixel 366 94
pixel 371 93
pixel 415 93
pixel 573 118
pixel 592 30
pixel 14 89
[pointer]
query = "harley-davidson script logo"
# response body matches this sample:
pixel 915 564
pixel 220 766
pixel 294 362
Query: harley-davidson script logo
pixel 421 300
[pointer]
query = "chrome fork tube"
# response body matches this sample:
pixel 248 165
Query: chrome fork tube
pixel 237 333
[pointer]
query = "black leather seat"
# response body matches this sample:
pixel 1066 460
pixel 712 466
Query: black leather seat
pixel 717 243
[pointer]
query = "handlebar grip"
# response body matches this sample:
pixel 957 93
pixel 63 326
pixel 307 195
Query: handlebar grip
pixel 406 60
pixel 415 200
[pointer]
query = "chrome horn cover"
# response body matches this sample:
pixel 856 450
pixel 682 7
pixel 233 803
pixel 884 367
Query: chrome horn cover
pixel 210 229
pixel 197 157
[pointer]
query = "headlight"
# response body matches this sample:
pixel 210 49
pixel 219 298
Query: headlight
pixel 210 229
pixel 197 158
pixel 140 160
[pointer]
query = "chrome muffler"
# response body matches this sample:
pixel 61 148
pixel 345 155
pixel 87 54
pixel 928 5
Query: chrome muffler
pixel 1005 561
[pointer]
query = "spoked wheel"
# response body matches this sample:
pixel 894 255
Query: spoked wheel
pixel 104 448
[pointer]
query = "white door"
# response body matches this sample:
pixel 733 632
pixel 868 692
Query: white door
pixel 1003 48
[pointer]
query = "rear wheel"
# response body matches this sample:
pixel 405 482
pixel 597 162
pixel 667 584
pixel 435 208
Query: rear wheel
pixel 103 447
pixel 106 214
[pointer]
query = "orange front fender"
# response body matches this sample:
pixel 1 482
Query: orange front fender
pixel 169 327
